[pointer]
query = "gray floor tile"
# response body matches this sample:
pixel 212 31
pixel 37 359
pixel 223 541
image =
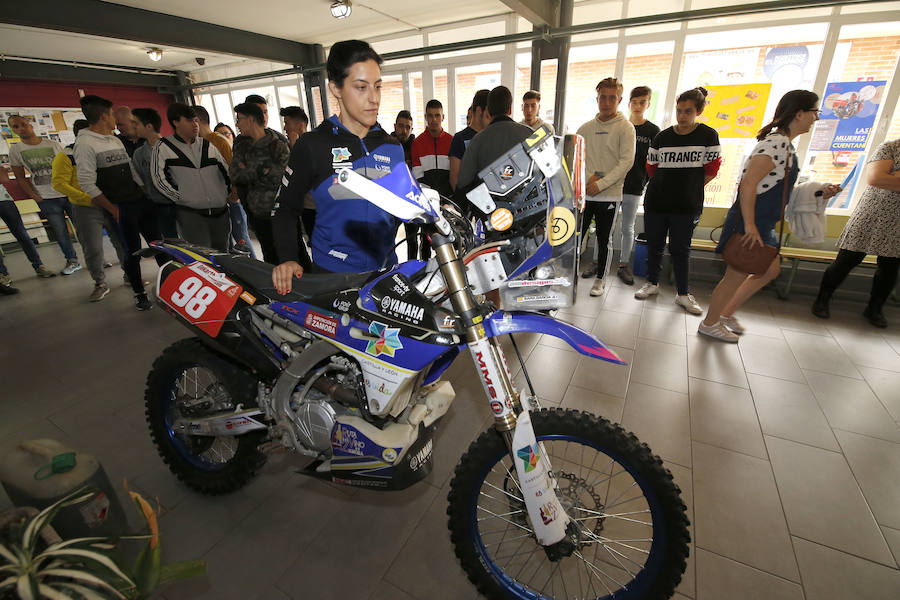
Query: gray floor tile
pixel 770 357
pixel 886 385
pixel 661 365
pixel 715 361
pixel 603 405
pixel 892 536
pixel 617 329
pixel 720 577
pixel 760 322
pixel 738 511
pixel 876 465
pixel 550 370
pixel 796 316
pixel 829 574
pixel 585 323
pixel 866 347
pixel 820 353
pixel 789 410
pixel 273 593
pixel 661 419
pixel 662 326
pixel 850 404
pixel 822 502
pixel 724 416
pixel 387 591
pixel 622 299
pixel 604 377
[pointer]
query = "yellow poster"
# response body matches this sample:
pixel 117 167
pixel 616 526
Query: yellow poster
pixel 736 111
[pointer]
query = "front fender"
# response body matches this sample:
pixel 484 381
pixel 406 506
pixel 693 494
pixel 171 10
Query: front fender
pixel 502 323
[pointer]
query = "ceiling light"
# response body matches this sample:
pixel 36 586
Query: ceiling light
pixel 155 54
pixel 341 9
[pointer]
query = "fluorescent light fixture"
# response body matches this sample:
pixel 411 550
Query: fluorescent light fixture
pixel 341 9
pixel 155 54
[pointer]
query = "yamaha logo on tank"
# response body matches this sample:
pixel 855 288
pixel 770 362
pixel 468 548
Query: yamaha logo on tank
pixel 402 310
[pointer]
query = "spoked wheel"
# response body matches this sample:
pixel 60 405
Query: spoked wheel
pixel 189 381
pixel 629 524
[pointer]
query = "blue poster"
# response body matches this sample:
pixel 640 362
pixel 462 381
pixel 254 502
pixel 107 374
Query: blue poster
pixel 848 115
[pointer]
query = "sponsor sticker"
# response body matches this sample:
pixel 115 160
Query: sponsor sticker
pixel 561 225
pixel 405 311
pixel 448 322
pixel 563 281
pixel 341 305
pixel 496 407
pixel 421 457
pixel 400 286
pixel 507 173
pixel 388 341
pixel 549 512
pixel 340 154
pixel 544 298
pixel 345 439
pixel 320 323
pixel 248 298
pixel 389 455
pixel 529 455
pixel 501 219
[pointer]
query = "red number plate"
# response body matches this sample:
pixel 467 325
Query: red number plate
pixel 201 295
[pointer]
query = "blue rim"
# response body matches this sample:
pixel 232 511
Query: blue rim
pixel 196 461
pixel 638 586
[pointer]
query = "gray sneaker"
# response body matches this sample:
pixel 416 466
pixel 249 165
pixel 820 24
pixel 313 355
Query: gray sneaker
pixel 99 293
pixel 70 267
pixel 43 272
pixel 5 280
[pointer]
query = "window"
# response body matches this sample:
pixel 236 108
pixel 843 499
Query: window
pixel 391 100
pixel 439 79
pixel 224 112
pixel 205 100
pixel 417 100
pixel 289 96
pixel 588 65
pixel 469 80
pixel 267 92
pixel 649 65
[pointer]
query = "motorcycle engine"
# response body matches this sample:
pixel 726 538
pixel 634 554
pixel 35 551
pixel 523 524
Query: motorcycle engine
pixel 325 394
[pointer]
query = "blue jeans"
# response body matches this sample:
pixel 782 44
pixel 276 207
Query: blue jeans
pixel 239 231
pixel 54 210
pixel 10 215
pixel 629 211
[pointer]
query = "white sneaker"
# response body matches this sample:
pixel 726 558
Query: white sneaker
pixel 717 331
pixel 732 324
pixel 70 267
pixel 688 303
pixel 647 290
pixel 599 288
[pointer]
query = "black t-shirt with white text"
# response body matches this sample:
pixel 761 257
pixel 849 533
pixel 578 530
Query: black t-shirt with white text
pixel 637 177
pixel 677 165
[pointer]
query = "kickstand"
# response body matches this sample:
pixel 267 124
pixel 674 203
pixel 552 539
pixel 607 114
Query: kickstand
pixel 522 362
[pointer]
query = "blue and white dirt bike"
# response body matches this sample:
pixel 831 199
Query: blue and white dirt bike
pixel 346 369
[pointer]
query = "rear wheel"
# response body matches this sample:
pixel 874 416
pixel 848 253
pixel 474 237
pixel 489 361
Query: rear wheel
pixel 189 381
pixel 630 525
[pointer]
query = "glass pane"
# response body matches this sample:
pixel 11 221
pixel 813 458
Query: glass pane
pixel 417 100
pixel 205 100
pixel 649 65
pixel 588 65
pixel 469 80
pixel 523 84
pixel 865 53
pixel 391 100
pixel 290 96
pixel 267 92
pixel 439 82
pixel 224 114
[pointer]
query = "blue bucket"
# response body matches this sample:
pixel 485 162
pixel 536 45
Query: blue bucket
pixel 640 255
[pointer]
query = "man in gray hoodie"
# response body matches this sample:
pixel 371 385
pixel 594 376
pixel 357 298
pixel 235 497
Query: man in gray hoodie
pixel 194 175
pixel 609 154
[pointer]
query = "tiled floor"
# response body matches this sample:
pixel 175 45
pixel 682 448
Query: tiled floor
pixel 786 447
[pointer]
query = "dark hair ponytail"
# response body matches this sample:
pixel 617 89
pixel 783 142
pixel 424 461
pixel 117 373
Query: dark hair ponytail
pixel 696 95
pixel 344 55
pixel 790 104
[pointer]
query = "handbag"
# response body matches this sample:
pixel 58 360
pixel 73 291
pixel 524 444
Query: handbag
pixel 756 260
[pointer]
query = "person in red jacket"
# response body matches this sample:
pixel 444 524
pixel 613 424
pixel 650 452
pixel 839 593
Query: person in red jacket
pixel 431 166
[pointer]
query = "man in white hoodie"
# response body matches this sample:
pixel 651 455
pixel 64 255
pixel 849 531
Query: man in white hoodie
pixel 609 154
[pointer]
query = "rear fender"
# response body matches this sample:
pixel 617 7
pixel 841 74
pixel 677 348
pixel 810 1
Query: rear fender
pixel 502 323
pixel 181 251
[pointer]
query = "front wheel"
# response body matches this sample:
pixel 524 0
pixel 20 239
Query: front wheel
pixel 629 523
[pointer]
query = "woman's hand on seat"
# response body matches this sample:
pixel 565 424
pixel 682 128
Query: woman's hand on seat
pixel 283 276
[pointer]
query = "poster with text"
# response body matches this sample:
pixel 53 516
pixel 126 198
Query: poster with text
pixel 736 111
pixel 848 115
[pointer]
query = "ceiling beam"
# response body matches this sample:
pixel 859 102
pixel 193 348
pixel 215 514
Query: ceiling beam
pixel 28 69
pixel 104 19
pixel 539 12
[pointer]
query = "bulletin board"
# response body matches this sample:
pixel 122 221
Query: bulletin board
pixel 736 111
pixel 53 123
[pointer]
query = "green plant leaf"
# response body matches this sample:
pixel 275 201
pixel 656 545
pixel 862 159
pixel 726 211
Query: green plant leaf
pixel 26 588
pixel 181 570
pixel 35 525
pixel 82 576
pixel 53 594
pixel 8 554
pixel 92 556
pixel 147 568
pixel 8 582
pixel 85 592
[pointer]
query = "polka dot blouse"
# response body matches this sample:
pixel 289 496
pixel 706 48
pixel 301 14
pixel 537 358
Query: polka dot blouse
pixel 778 147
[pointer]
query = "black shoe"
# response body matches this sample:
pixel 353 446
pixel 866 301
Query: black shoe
pixel 625 275
pixel 142 302
pixel 875 317
pixel 820 306
pixel 8 290
pixel 591 271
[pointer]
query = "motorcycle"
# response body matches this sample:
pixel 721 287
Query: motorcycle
pixel 346 369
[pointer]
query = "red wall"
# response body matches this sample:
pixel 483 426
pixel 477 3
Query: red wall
pixel 25 93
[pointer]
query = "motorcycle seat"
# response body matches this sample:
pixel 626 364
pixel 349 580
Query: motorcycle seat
pixel 259 275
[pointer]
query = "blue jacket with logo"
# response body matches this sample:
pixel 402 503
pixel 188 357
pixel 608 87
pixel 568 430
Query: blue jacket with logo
pixel 351 235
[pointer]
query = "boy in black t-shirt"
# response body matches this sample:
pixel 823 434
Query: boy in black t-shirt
pixel 636 179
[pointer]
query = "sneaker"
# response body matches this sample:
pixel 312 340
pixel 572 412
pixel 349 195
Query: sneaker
pixel 5 280
pixel 70 267
pixel 732 324
pixel 647 290
pixel 688 303
pixel 598 289
pixel 718 331
pixel 625 275
pixel 591 271
pixel 99 293
pixel 107 265
pixel 44 272
pixel 7 290
pixel 875 317
pixel 142 302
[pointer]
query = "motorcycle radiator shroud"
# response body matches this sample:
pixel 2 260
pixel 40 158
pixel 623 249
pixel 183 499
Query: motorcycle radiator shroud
pixel 529 200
